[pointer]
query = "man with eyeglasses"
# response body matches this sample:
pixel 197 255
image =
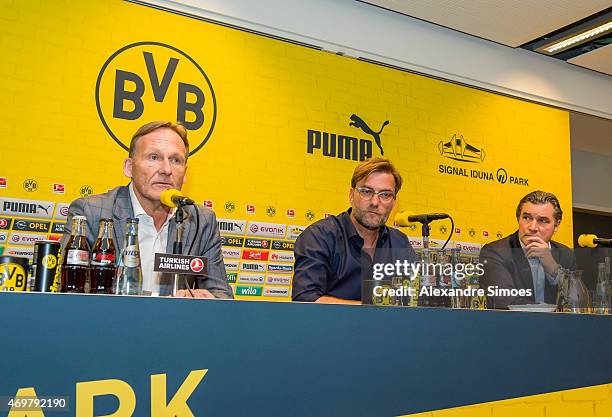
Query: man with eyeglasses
pixel 527 261
pixel 331 253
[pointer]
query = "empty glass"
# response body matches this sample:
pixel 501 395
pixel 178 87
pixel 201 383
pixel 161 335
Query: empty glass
pixel 572 295
pixel 601 304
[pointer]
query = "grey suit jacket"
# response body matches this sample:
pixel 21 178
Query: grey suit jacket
pixel 506 266
pixel 116 205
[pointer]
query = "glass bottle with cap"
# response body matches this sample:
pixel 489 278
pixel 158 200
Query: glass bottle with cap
pixel 75 264
pixel 128 279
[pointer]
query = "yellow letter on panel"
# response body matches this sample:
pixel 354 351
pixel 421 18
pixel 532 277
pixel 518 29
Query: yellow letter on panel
pixel 178 404
pixel 32 412
pixel 86 391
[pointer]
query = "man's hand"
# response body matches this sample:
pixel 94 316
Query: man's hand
pixel 327 299
pixel 535 247
pixel 197 293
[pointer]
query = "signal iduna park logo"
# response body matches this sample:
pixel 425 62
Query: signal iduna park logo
pixel 147 81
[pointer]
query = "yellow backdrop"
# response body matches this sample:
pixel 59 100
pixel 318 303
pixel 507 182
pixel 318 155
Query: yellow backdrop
pixel 269 118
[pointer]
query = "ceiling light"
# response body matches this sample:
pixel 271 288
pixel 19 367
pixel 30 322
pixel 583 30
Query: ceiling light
pixel 576 39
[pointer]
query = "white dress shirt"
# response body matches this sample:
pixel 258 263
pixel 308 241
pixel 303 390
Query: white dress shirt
pixel 150 241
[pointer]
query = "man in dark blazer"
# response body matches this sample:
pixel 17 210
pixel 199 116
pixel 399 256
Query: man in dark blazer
pixel 528 259
pixel 157 161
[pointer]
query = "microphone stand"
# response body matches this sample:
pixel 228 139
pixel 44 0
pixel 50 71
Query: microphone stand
pixel 177 247
pixel 425 233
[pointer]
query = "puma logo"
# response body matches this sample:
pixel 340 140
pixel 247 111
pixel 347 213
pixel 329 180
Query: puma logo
pixel 46 209
pixel 358 122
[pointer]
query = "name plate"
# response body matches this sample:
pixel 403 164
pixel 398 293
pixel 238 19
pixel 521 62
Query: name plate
pixel 180 264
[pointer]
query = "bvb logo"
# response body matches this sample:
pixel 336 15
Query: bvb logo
pixel 411 227
pixel 443 230
pixel 49 261
pixel 499 235
pixel 270 211
pixel 147 81
pixel 230 206
pixel 310 215
pixel 472 232
pixel 30 185
pixel 86 191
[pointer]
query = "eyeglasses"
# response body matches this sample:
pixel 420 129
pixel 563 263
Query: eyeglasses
pixel 367 194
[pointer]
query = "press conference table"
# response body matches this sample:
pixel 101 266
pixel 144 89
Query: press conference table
pixel 289 359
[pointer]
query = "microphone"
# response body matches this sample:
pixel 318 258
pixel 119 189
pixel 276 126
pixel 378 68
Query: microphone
pixel 406 217
pixel 592 241
pixel 172 198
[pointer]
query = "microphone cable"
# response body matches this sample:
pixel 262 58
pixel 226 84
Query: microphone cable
pixel 189 251
pixel 451 232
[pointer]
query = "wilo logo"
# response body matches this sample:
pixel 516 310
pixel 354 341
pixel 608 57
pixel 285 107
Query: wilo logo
pixel 147 81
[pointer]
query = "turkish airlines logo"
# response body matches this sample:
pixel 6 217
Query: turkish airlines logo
pixel 147 81
pixel 196 265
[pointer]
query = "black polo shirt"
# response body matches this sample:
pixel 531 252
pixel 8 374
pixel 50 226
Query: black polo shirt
pixel 329 258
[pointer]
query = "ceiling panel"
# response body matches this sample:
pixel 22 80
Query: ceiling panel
pixel 510 22
pixel 599 60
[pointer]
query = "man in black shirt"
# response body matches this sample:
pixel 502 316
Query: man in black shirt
pixel 331 253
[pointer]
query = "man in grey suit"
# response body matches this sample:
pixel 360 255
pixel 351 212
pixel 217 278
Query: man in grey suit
pixel 157 161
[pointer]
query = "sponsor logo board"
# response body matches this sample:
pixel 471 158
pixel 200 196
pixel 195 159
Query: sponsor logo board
pixel 294 231
pixel 236 242
pixel 281 268
pixel 3 237
pixel 281 245
pixel 278 279
pixel 248 290
pixel 58 227
pixel 469 248
pixel 31 225
pixel 257 243
pixel 276 292
pixel 26 208
pixel 248 278
pixel 253 266
pixel 266 229
pixel 5 223
pixel 279 256
pixel 232 227
pixel 25 251
pixel 61 211
pixel 231 277
pixel 25 238
pixel 231 265
pixel 231 253
pixel 257 255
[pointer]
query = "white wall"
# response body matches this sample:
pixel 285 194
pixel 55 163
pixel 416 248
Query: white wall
pixel 362 30
pixel 591 181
